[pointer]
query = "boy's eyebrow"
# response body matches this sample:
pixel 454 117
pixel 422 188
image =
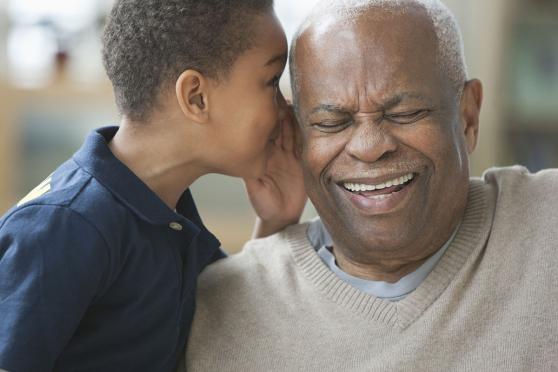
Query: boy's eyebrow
pixel 278 58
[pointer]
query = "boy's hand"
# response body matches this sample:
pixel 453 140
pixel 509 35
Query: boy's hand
pixel 279 196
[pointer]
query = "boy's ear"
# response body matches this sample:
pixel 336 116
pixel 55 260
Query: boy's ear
pixel 192 95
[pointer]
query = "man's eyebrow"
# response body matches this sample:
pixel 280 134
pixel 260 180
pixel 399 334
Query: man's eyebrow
pixel 398 98
pixel 328 108
pixel 278 58
pixel 389 103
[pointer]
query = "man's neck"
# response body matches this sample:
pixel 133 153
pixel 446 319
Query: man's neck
pixel 158 156
pixel 392 270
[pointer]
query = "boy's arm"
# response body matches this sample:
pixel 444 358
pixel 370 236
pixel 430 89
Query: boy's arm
pixel 51 266
pixel 279 196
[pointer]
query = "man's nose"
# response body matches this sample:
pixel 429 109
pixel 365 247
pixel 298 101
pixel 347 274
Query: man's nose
pixel 370 141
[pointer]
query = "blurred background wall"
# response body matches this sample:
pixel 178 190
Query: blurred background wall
pixel 53 91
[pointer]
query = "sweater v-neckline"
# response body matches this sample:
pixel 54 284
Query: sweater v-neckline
pixel 472 234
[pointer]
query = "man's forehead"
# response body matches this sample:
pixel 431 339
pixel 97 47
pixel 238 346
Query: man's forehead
pixel 430 28
pixel 372 41
pixel 373 58
pixel 367 23
pixel 335 13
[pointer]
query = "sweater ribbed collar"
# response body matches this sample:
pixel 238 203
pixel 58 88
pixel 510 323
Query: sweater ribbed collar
pixel 471 235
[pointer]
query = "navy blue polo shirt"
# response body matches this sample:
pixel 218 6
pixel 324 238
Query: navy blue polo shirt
pixel 96 272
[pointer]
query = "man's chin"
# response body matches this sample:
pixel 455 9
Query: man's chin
pixel 382 240
pixel 381 232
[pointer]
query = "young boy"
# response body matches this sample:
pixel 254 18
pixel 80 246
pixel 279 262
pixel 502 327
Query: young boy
pixel 98 264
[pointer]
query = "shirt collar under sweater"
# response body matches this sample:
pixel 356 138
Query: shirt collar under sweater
pixel 321 241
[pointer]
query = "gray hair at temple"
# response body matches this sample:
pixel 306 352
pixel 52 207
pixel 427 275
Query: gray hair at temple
pixel 450 44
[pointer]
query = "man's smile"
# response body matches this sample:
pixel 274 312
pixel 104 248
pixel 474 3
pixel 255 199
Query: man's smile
pixel 379 195
pixel 382 188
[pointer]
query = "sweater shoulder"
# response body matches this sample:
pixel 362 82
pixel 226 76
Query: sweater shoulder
pixel 258 258
pixel 259 264
pixel 517 188
pixel 520 177
pixel 525 215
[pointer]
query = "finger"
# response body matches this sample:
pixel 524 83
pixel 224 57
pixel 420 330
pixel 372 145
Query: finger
pixel 253 186
pixel 287 135
pixel 288 131
pixel 297 141
pixel 284 114
pixel 278 139
pixel 283 106
pixel 297 132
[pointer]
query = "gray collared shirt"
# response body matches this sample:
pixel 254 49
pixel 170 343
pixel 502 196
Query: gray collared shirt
pixel 321 241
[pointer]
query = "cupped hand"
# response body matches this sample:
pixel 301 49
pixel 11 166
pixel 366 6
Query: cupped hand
pixel 278 197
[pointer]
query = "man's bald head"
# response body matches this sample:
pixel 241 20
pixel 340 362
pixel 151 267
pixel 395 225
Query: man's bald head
pixel 450 56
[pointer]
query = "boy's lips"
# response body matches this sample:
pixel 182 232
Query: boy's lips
pixel 379 195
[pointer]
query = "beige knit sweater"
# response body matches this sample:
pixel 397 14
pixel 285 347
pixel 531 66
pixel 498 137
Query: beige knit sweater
pixel 491 303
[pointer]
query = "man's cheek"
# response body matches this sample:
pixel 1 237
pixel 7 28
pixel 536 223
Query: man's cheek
pixel 315 160
pixel 312 153
pixel 431 142
pixel 313 164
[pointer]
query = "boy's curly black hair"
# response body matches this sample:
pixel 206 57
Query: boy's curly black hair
pixel 147 44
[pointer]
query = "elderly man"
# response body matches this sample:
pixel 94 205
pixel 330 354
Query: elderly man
pixel 412 266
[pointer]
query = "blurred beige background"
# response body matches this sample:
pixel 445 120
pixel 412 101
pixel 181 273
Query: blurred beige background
pixel 53 91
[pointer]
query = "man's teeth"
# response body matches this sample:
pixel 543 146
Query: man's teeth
pixel 357 187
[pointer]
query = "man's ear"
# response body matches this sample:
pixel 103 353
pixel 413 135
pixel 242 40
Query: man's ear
pixel 471 102
pixel 192 95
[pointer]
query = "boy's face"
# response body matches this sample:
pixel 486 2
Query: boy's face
pixel 245 107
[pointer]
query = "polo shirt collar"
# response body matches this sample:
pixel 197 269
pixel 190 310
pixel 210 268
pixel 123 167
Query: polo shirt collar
pixel 96 159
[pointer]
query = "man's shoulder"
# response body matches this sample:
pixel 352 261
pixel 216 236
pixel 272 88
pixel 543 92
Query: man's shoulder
pixel 517 184
pixel 260 262
pixel 525 209
pixel 243 289
pixel 519 175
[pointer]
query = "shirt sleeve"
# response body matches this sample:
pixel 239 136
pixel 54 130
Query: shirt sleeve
pixel 219 253
pixel 52 265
